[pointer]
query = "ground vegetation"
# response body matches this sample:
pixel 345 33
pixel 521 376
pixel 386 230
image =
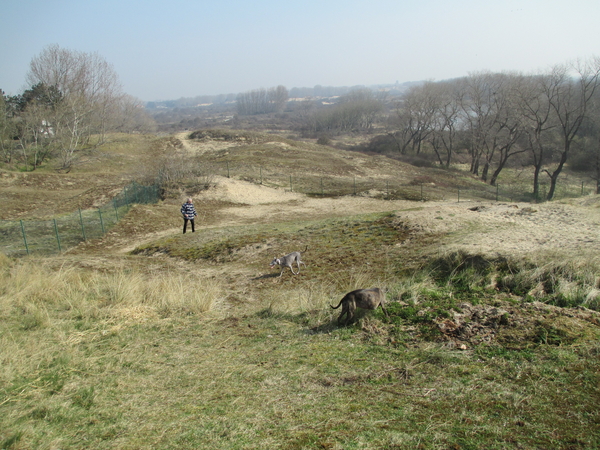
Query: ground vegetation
pixel 151 338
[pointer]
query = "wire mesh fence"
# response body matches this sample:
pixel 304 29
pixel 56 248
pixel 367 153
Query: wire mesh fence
pixel 394 189
pixel 46 237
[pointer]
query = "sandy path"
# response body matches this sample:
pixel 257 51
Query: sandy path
pixel 477 227
pixel 486 227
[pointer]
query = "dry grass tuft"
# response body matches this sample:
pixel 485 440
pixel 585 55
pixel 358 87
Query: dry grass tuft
pixel 31 289
pixel 172 293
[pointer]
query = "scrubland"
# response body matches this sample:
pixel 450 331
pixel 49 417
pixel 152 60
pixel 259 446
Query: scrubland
pixel 149 338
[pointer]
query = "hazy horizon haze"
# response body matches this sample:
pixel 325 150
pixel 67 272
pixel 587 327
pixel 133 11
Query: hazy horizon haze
pixel 166 51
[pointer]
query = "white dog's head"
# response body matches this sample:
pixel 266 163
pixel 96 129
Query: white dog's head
pixel 275 262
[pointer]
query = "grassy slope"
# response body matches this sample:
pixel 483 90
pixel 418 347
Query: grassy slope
pixel 100 351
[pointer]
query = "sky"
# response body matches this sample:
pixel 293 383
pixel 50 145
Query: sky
pixel 165 50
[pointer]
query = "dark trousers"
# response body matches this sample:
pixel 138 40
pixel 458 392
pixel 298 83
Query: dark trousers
pixel 185 221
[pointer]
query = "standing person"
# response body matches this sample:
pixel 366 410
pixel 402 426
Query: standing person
pixel 189 213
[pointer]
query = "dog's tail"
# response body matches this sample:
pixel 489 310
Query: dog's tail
pixel 336 307
pixel 305 249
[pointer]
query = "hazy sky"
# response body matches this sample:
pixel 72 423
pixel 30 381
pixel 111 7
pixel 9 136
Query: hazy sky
pixel 163 50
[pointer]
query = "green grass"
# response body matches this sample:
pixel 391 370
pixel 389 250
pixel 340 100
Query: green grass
pixel 193 342
pixel 364 243
pixel 264 381
pixel 113 360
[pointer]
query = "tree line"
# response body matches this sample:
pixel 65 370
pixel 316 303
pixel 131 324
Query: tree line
pixel 495 120
pixel 73 96
pixel 262 101
pixel 544 120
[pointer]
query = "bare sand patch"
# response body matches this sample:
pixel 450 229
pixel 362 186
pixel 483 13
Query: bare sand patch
pixel 481 227
pixel 509 228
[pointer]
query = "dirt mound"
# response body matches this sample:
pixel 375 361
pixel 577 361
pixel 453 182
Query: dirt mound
pixel 511 324
pixel 507 228
pixel 245 193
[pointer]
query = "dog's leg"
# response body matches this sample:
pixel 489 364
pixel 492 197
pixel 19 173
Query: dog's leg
pixel 343 313
pixel 292 266
pixel 385 311
pixel 351 309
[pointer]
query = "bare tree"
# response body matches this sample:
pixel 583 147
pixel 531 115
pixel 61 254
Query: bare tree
pixel 570 89
pixel 446 122
pixel 502 138
pixel 262 101
pixel 355 111
pixel 537 122
pixel 592 138
pixel 278 97
pixel 414 115
pixel 129 115
pixel 479 115
pixel 90 88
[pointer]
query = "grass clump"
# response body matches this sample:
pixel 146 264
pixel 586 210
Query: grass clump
pixel 35 295
pixel 560 281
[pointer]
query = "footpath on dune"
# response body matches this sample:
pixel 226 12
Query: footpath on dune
pixel 474 226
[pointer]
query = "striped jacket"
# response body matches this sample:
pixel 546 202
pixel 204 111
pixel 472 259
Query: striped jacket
pixel 187 209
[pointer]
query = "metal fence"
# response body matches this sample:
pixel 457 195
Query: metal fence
pixel 395 189
pixel 46 237
pixel 18 238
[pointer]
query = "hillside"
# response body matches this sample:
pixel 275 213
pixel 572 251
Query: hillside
pixel 150 338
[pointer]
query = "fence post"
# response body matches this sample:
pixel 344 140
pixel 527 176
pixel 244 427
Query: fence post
pixel 582 188
pixel 57 237
pixel 116 209
pixel 82 228
pixel 322 190
pixel 24 237
pixel 101 221
pixel 458 195
pixel 497 185
pixel 227 168
pixel 354 185
pixel 291 185
pixel 387 189
pixel 261 175
pixel 421 191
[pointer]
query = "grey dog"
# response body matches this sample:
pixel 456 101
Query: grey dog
pixel 360 298
pixel 287 261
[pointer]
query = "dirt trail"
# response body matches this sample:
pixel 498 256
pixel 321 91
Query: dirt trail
pixel 477 227
pixel 486 227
